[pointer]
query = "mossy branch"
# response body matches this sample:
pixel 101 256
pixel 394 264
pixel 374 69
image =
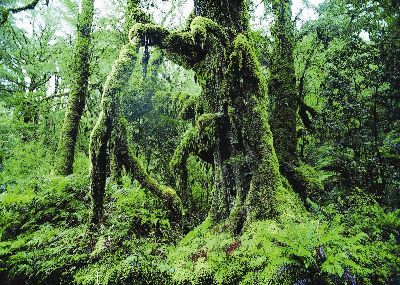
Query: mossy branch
pixel 184 47
pixel 6 12
pixel 198 141
pixel 137 171
pixel 100 139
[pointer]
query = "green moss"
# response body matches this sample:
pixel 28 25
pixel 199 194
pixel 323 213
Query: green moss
pixel 101 133
pixel 261 200
pixel 308 181
pixel 4 15
pixel 148 34
pixel 201 27
pixel 232 121
pixel 134 14
pixel 197 141
pixel 234 16
pixel 183 150
pixel 135 169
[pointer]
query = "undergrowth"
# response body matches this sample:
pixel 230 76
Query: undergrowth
pixel 44 238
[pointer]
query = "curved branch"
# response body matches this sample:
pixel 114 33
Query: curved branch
pixel 197 141
pixel 6 12
pixel 136 170
pixel 100 140
pixel 185 48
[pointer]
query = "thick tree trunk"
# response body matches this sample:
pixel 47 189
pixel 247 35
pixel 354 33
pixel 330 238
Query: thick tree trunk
pixel 246 174
pixel 230 121
pixel 286 101
pixel 79 87
pixel 247 182
pixel 282 87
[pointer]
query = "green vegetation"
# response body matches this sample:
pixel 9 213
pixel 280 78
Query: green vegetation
pixel 138 147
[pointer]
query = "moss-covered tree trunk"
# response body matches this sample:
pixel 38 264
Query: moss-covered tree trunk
pixel 231 122
pixel 282 85
pixel 286 101
pixel 100 139
pixel 109 136
pixel 101 134
pixel 231 109
pixel 132 12
pixel 79 89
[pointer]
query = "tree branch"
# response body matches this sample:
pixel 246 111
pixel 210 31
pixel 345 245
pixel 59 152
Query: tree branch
pixel 184 47
pixel 136 170
pixel 5 13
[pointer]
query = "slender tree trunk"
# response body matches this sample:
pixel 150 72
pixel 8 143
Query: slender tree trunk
pixel 101 134
pixel 282 86
pixel 116 165
pixel 107 123
pixel 78 93
pixel 109 136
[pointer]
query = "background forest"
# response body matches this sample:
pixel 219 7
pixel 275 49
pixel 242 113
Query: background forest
pixel 199 142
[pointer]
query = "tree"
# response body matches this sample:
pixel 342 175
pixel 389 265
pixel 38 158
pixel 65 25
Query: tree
pixel 357 89
pixel 78 93
pixel 282 85
pixel 230 113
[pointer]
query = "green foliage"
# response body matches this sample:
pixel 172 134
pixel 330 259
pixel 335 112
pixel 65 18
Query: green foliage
pixel 347 77
pixel 272 253
pixel 43 227
pixel 131 243
pixel 44 234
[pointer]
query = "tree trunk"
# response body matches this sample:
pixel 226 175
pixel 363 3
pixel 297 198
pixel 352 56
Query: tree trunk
pixel 116 165
pixel 109 137
pixel 79 89
pixel 247 182
pixel 101 134
pixel 282 85
pixel 107 123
